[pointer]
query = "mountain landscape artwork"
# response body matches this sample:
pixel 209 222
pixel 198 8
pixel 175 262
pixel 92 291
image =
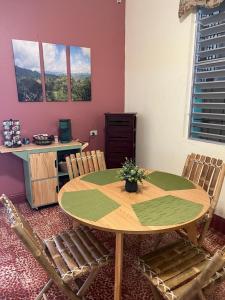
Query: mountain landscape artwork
pixel 80 65
pixel 28 72
pixel 55 72
pixel 42 72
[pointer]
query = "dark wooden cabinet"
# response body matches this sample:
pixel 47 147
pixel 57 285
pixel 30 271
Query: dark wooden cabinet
pixel 120 138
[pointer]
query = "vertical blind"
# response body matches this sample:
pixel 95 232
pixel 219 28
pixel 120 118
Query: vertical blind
pixel 208 99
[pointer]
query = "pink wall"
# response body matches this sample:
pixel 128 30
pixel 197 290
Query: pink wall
pixel 98 24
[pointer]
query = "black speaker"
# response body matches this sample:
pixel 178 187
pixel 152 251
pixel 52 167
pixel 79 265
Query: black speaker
pixel 65 134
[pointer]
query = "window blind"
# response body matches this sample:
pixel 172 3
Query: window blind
pixel 208 99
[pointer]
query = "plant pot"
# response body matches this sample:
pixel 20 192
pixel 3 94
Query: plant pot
pixel 131 187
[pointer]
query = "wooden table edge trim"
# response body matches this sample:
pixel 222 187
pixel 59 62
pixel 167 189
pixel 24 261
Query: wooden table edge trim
pixel 151 230
pixel 148 231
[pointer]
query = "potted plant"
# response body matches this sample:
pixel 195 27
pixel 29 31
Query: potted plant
pixel 131 174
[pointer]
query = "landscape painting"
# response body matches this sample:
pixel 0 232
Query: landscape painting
pixel 55 72
pixel 80 64
pixel 27 69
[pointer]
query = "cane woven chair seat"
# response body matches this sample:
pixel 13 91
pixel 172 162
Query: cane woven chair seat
pixel 65 257
pixel 174 270
pixel 85 162
pixel 76 252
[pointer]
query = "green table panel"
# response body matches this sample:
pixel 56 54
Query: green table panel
pixel 166 211
pixel 102 177
pixel 88 204
pixel 169 182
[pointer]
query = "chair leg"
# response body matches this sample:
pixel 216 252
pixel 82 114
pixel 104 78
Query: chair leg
pixel 157 241
pixel 140 238
pixel 45 289
pixel 204 231
pixel 44 297
pixel 201 295
pixel 82 291
pixel 155 293
pixel 65 288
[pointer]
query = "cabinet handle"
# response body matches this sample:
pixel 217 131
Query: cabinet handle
pixel 57 189
pixel 55 163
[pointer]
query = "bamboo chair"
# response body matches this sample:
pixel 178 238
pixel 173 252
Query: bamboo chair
pixel 85 162
pixel 182 271
pixel 65 257
pixel 208 173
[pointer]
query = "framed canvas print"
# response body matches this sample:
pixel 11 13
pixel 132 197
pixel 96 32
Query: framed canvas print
pixel 80 65
pixel 28 71
pixel 55 67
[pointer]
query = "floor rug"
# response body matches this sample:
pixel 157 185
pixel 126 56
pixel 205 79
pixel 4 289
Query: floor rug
pixel 21 278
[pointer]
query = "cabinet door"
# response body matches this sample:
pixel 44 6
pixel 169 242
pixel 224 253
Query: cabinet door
pixel 44 191
pixel 120 131
pixel 43 165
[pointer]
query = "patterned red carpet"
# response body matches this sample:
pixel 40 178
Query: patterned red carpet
pixel 21 278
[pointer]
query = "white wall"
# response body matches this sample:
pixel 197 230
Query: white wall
pixel 159 59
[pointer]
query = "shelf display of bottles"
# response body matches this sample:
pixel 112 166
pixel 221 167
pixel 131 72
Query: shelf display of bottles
pixel 11 133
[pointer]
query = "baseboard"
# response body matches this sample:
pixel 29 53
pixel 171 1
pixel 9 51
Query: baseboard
pixel 16 198
pixel 218 223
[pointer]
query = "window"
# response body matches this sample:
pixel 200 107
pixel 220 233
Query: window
pixel 208 99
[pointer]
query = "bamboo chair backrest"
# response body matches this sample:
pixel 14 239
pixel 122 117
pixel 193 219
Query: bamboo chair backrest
pixel 22 228
pixel 34 244
pixel 18 222
pixel 85 162
pixel 214 270
pixel 207 172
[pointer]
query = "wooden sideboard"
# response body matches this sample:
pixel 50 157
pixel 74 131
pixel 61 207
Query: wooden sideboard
pixel 43 178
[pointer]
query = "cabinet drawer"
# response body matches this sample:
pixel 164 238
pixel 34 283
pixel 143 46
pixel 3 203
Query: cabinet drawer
pixel 121 156
pixel 120 146
pixel 43 165
pixel 120 121
pixel 44 191
pixel 120 133
pixel 115 162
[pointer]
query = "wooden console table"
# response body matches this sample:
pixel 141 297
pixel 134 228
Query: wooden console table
pixel 40 163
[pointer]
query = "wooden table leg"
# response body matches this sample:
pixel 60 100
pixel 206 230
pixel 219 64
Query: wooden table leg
pixel 192 233
pixel 118 266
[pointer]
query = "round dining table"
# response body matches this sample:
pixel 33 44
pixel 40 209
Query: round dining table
pixel 164 203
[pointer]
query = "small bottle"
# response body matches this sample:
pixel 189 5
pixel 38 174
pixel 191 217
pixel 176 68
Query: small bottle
pixel 56 139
